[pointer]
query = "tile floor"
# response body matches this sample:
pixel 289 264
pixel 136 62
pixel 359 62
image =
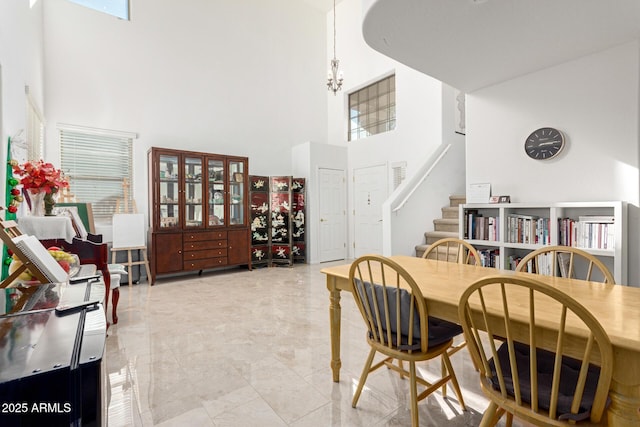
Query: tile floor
pixel 252 348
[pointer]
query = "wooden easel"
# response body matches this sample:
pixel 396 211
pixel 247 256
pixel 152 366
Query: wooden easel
pixel 9 231
pixel 66 196
pixel 125 190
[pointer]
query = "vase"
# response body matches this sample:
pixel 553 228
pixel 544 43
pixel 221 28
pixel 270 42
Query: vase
pixel 37 203
pixel 49 203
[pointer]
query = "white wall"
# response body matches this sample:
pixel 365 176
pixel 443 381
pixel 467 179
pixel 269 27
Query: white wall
pixel 243 78
pixel 594 101
pixel 21 62
pixel 307 159
pixel 432 184
pixel 419 129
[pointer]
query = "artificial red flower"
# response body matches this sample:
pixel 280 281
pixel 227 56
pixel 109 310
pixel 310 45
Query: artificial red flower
pixel 40 176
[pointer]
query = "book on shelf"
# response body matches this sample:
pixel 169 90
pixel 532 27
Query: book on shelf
pixel 564 260
pixel 528 229
pixel 603 219
pixel 489 258
pixel 479 227
pixel 590 232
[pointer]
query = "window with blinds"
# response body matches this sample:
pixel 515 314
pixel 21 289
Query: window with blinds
pixel 97 163
pixel 372 109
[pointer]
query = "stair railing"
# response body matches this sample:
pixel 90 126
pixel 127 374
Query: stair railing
pixel 413 204
pixel 443 151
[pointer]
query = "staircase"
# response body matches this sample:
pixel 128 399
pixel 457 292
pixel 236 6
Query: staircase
pixel 447 226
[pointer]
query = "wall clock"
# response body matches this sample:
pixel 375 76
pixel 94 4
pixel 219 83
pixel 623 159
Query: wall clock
pixel 544 144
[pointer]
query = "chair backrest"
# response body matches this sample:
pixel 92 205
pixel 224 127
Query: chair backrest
pixel 452 250
pixel 391 304
pixel 572 382
pixel 563 261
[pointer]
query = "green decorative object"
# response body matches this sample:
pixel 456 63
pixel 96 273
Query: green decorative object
pixel 49 203
pixel 11 182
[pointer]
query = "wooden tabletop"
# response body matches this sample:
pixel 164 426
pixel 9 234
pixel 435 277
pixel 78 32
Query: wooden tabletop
pixel 617 307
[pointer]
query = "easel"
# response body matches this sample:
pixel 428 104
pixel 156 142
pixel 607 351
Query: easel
pixel 131 227
pixel 65 194
pixel 125 201
pixel 9 231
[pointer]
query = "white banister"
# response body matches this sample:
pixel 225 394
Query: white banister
pixel 424 176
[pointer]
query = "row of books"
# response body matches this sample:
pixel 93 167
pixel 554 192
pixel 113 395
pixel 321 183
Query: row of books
pixel 589 231
pixel 545 265
pixel 593 232
pixel 528 229
pixel 478 227
pixel 489 258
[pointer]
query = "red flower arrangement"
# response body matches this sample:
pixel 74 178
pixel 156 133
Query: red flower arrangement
pixel 40 177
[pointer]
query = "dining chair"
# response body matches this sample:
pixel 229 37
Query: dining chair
pixel 561 261
pixel 451 249
pixel 520 375
pixel 399 327
pixel 458 251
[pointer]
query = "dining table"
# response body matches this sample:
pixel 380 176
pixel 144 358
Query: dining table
pixel 616 306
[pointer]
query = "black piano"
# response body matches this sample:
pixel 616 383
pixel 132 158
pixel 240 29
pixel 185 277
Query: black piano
pixel 52 342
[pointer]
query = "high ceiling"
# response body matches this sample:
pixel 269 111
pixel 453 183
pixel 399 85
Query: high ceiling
pixel 470 44
pixel 323 5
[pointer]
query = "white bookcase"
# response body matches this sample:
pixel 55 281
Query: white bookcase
pixel 613 257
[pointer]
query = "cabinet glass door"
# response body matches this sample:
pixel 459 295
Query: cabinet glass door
pixel 168 180
pixel 216 192
pixel 193 204
pixel 236 192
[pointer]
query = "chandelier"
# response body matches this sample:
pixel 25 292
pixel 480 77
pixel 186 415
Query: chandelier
pixel 334 82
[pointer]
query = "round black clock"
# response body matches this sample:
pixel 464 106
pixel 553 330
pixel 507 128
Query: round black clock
pixel 544 143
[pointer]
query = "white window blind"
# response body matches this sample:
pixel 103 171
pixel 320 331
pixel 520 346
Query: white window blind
pixel 372 109
pixel 97 162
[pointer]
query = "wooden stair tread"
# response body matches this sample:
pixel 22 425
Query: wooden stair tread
pixel 446 221
pixel 450 220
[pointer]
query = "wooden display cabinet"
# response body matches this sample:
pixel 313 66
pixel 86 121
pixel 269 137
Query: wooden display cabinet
pixel 198 211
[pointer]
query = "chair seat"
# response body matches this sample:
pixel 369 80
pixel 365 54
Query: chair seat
pixel 545 363
pixel 440 331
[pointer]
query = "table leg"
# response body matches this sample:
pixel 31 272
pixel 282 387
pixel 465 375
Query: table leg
pixel 624 410
pixel 334 319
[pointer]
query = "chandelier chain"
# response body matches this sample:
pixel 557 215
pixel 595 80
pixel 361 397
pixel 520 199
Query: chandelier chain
pixel 334 82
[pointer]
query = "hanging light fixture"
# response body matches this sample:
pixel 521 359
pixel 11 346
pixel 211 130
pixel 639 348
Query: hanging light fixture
pixel 334 82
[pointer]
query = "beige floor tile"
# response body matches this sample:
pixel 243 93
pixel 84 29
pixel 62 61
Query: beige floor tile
pixel 252 348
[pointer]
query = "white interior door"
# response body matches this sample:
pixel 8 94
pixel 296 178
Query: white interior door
pixel 370 191
pixel 333 214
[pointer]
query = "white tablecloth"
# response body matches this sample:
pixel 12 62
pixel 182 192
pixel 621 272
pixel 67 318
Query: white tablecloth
pixel 48 227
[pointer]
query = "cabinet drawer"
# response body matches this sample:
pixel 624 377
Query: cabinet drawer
pixel 199 264
pixel 203 245
pixel 207 235
pixel 209 253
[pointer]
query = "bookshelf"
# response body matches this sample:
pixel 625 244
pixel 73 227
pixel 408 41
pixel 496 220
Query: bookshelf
pixel 511 230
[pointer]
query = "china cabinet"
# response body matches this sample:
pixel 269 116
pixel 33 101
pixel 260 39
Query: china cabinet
pixel 198 211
